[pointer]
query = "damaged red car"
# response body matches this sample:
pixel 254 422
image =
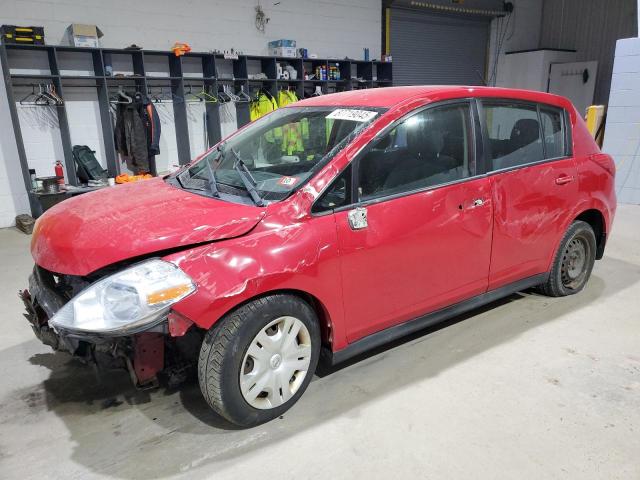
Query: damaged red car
pixel 322 230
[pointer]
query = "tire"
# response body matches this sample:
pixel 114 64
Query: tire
pixel 573 262
pixel 242 348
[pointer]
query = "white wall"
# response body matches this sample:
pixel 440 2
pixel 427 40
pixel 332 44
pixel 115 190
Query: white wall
pixel 331 28
pixel 522 33
pixel 622 132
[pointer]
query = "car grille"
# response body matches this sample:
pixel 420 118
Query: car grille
pixel 65 286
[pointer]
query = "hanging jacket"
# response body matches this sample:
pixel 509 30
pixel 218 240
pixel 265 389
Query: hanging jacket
pixel 131 137
pixel 262 105
pixel 137 133
pixel 152 124
pixel 285 97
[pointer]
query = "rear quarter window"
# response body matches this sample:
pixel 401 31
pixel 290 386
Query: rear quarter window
pixel 522 133
pixel 553 129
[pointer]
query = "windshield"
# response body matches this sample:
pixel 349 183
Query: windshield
pixel 277 153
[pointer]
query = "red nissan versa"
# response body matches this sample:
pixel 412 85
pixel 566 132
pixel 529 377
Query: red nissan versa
pixel 333 225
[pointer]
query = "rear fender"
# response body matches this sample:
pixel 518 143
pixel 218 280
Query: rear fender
pixel 592 203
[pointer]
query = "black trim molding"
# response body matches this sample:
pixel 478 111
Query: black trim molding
pixel 392 333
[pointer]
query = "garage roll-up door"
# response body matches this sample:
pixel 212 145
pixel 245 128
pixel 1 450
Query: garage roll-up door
pixel 432 48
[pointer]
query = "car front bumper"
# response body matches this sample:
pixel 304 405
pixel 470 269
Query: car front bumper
pixel 141 354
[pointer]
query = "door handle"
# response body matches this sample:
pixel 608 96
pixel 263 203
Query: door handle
pixel 358 218
pixel 563 180
pixel 478 202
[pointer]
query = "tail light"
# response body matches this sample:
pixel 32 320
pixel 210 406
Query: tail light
pixel 605 161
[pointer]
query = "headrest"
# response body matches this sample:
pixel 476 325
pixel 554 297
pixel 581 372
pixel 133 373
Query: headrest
pixel 524 132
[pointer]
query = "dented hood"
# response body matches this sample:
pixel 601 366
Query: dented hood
pixel 93 230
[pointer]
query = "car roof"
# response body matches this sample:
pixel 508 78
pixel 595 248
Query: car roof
pixel 389 97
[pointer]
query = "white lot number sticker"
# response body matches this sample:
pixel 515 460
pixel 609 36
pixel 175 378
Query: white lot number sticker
pixel 353 115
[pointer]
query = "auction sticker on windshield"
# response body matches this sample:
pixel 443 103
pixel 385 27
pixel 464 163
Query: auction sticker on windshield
pixel 287 181
pixel 351 114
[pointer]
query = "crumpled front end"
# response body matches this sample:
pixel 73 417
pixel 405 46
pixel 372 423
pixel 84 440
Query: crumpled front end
pixel 167 347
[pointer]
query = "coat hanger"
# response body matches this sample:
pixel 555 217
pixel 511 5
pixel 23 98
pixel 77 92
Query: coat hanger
pixel 122 95
pixel 49 95
pixel 43 98
pixel 190 97
pixel 27 100
pixel 223 97
pixel 243 97
pixel 155 98
pixel 231 95
pixel 205 96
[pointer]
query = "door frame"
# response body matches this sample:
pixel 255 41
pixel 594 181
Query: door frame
pixel 566 125
pixel 477 145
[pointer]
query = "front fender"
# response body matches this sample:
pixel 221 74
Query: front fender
pixel 276 256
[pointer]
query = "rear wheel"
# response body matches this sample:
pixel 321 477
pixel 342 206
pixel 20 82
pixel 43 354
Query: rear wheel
pixel 256 362
pixel 573 262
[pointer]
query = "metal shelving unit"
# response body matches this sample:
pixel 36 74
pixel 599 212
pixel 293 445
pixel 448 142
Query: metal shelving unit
pixel 212 71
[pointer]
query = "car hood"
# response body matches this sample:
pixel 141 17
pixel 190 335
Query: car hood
pixel 93 230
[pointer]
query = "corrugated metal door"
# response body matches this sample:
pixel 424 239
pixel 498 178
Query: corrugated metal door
pixel 431 48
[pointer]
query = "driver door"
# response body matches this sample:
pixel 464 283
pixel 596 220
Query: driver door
pixel 419 235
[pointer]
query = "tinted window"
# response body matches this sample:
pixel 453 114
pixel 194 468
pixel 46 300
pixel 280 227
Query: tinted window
pixel 514 134
pixel 337 195
pixel 429 148
pixel 553 131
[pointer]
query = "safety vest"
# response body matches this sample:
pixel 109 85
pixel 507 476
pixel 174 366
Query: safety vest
pixel 261 106
pixel 293 134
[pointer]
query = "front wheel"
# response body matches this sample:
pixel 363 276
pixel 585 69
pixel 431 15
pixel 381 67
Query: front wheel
pixel 256 362
pixel 573 262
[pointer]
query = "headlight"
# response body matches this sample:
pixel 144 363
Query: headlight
pixel 125 301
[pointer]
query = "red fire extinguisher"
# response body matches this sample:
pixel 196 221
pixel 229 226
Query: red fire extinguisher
pixel 59 172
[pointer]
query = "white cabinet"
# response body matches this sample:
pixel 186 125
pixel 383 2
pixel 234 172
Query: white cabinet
pixel 530 69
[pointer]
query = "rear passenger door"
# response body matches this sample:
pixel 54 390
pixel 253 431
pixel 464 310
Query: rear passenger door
pixel 534 185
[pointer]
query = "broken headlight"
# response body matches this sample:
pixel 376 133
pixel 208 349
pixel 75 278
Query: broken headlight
pixel 126 301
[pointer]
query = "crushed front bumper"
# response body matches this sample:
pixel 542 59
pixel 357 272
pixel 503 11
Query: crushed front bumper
pixel 41 303
pixel 142 354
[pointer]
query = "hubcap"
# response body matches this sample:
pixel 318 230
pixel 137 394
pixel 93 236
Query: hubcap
pixel 276 363
pixel 574 262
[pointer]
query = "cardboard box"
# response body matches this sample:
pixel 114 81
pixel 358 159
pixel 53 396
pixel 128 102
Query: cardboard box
pixel 80 35
pixel 283 52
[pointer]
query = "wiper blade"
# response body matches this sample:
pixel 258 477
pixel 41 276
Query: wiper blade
pixel 212 180
pixel 178 181
pixel 246 177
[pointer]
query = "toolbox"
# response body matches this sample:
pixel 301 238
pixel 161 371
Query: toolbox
pixel 22 35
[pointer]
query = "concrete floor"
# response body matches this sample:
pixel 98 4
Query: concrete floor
pixel 532 387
